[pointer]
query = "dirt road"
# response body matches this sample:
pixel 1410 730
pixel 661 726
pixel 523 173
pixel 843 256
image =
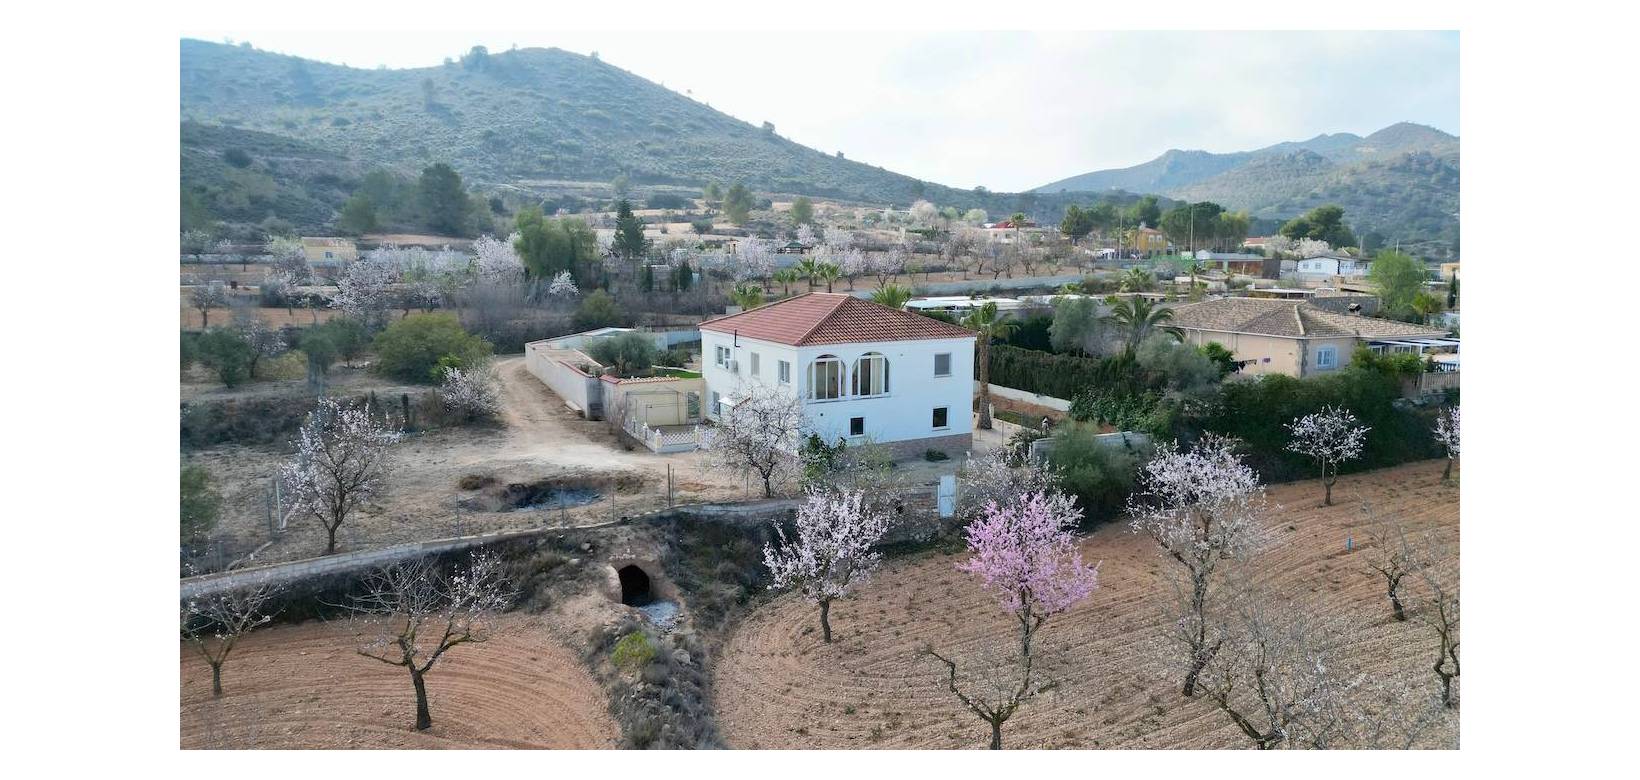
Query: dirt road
pixel 538 439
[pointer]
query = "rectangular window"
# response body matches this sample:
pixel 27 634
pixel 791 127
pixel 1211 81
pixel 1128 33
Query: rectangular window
pixel 857 426
pixel 1326 357
pixel 717 404
pixel 941 417
pixel 942 364
pixel 720 355
pixel 754 363
pixel 784 371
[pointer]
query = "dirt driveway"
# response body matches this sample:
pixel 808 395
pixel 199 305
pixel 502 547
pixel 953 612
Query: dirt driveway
pixel 538 441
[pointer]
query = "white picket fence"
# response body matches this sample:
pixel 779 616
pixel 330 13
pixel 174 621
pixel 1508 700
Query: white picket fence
pixel 687 439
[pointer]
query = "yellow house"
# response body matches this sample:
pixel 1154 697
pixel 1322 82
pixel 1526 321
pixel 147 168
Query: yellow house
pixel 1149 240
pixel 1449 271
pixel 1296 338
pixel 329 251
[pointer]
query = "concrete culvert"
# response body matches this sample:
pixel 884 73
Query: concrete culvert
pixel 635 590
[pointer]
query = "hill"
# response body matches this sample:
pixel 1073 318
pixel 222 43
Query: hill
pixel 1397 184
pixel 516 117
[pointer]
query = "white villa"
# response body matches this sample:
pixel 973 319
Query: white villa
pixel 864 371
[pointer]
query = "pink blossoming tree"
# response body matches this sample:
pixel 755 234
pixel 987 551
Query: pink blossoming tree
pixel 1024 552
pixel 831 551
pixel 1330 437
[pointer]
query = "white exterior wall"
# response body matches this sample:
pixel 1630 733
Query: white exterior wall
pixel 904 413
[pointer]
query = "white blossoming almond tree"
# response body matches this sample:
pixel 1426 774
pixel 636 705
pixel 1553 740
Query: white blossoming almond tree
pixel 473 394
pixel 364 290
pixel 563 286
pixel 887 265
pixel 998 477
pixel 342 462
pixel 831 551
pixel 759 432
pixel 214 624
pixel 1329 437
pixel 1201 507
pixel 421 613
pixel 1446 434
pixel 497 261
pixel 205 297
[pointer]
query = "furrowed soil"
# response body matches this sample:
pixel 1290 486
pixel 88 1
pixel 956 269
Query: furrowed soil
pixel 778 686
pixel 305 686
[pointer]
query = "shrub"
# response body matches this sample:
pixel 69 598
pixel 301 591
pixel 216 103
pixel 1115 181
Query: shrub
pixel 633 653
pixel 598 310
pixel 420 347
pixel 227 352
pixel 1100 475
pixel 935 456
pixel 190 349
pixel 347 335
pixel 200 504
pixel 627 352
pixel 1166 362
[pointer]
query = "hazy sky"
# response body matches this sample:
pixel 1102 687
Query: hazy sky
pixel 1006 110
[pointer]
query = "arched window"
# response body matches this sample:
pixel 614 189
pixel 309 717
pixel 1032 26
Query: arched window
pixel 826 378
pixel 870 374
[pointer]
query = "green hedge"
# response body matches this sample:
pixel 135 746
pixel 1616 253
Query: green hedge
pixel 1059 376
pixel 1258 412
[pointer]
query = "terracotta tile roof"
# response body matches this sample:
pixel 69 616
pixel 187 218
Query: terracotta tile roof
pixel 1290 319
pixel 832 318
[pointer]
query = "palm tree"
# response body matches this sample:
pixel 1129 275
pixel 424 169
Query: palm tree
pixel 1137 280
pixel 786 277
pixel 807 267
pixel 747 295
pixel 1019 221
pixel 1139 318
pixel 985 322
pixel 893 296
pixel 828 273
pixel 1193 269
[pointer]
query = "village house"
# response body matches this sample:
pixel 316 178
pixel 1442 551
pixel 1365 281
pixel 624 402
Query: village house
pixel 1323 267
pixel 1297 338
pixel 1149 241
pixel 865 372
pixel 329 252
pixel 1239 263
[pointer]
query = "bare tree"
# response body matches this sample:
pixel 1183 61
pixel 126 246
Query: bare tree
pixel 1330 437
pixel 1201 507
pixel 214 624
pixel 205 297
pixel 1393 557
pixel 1439 611
pixel 1280 675
pixel 831 552
pixel 759 431
pixel 422 613
pixel 342 460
